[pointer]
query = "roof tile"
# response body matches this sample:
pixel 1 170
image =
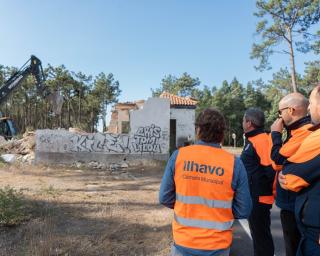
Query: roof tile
pixel 177 100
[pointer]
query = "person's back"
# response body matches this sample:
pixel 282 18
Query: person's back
pixel 203 193
pixel 207 187
pixel 257 161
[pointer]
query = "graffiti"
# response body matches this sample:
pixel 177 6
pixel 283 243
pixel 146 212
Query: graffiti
pixel 106 143
pixel 146 139
pixel 117 144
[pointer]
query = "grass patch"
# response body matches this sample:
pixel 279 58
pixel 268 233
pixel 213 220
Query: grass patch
pixel 12 208
pixel 50 191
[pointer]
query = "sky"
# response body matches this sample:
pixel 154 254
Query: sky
pixel 139 41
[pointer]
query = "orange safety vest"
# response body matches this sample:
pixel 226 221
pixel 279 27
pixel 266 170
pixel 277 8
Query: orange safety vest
pixel 203 209
pixel 297 137
pixel 291 146
pixel 262 144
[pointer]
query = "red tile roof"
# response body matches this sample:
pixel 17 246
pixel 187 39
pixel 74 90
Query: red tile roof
pixel 177 100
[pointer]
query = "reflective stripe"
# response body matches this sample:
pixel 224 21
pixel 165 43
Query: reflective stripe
pixel 204 201
pixel 203 223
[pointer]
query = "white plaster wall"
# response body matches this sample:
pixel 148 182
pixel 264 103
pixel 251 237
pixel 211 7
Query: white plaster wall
pixel 185 119
pixel 149 135
pixel 155 117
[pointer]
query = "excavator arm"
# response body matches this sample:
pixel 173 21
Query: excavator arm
pixel 32 67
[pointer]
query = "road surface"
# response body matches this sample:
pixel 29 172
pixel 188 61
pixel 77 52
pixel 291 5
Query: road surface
pixel 242 243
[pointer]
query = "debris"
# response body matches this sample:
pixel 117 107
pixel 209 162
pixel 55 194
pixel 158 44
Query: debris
pixel 114 167
pixel 124 165
pixel 23 149
pixel 78 164
pixel 23 146
pixel 9 158
pixel 3 140
pixel 78 131
pixel 95 165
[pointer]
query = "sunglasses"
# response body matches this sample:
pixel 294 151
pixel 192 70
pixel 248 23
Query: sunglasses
pixel 280 110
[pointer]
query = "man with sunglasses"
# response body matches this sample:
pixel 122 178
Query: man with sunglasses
pixel 301 174
pixel 293 110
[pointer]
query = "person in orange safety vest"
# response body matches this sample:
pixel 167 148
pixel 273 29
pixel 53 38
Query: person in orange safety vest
pixel 293 110
pixel 207 188
pixel 301 174
pixel 257 161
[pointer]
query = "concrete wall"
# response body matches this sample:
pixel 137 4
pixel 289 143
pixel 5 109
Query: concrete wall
pixel 185 119
pixel 148 139
pixel 156 114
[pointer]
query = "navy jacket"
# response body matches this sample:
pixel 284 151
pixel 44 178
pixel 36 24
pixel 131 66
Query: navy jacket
pixel 256 159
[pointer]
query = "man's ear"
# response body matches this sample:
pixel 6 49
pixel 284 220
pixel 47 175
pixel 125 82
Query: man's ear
pixel 197 132
pixel 248 124
pixel 291 110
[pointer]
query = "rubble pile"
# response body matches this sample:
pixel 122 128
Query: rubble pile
pixel 23 148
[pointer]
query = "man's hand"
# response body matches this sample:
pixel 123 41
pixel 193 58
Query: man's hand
pixel 282 181
pixel 277 125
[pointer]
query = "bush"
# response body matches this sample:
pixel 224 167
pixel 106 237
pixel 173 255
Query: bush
pixel 12 210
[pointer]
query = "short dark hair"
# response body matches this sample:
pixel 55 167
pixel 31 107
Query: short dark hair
pixel 255 116
pixel 211 125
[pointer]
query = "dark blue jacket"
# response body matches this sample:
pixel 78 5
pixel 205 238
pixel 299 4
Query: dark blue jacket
pixel 260 174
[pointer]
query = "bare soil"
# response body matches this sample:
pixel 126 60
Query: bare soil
pixel 87 212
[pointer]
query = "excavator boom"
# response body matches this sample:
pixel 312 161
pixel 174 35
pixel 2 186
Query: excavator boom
pixel 32 67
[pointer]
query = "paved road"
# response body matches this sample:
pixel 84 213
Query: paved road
pixel 242 243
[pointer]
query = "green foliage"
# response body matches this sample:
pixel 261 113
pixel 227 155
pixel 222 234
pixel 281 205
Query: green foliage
pixel 182 86
pixel 106 91
pixel 204 97
pixel 284 27
pixel 12 210
pixel 311 76
pixel 229 99
pixel 85 99
pixel 232 99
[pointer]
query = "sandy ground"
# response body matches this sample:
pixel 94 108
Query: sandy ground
pixel 87 212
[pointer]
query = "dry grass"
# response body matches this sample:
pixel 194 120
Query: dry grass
pixel 86 212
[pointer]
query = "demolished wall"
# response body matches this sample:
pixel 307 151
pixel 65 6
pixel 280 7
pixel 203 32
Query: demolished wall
pixel 148 139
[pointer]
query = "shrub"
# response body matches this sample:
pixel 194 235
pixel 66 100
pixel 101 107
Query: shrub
pixel 12 211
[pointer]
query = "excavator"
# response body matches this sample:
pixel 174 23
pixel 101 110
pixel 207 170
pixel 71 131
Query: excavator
pixel 31 67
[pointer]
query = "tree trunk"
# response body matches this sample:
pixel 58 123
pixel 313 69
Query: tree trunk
pixel 69 117
pixel 104 121
pixel 79 117
pixel 92 121
pixel 292 63
pixel 46 117
pixel 36 118
pixel 60 121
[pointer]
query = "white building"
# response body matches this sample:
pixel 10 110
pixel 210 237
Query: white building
pixel 182 120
